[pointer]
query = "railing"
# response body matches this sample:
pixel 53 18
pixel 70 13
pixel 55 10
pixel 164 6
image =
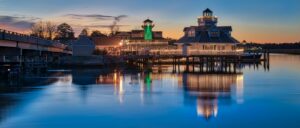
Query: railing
pixel 189 52
pixel 167 52
pixel 5 59
pixel 13 36
pixel 214 52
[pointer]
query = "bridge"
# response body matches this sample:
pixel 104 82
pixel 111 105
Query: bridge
pixel 14 45
pixel 20 51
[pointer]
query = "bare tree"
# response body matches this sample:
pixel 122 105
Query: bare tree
pixel 38 29
pixel 50 29
pixel 44 29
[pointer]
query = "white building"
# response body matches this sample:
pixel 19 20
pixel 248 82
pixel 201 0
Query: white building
pixel 208 38
pixel 83 46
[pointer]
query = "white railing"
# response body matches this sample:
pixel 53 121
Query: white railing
pixel 167 52
pixel 189 52
pixel 214 52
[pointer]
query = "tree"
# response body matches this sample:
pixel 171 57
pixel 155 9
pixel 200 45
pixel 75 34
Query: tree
pixel 50 29
pixel 84 32
pixel 38 29
pixel 97 33
pixel 43 29
pixel 64 32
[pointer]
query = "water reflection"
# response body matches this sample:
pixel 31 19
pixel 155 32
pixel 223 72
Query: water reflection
pixel 209 90
pixel 14 92
pixel 207 93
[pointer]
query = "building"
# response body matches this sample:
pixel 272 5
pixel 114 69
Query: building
pixel 131 41
pixel 208 37
pixel 83 46
pixel 146 33
pixel 145 41
pixel 109 45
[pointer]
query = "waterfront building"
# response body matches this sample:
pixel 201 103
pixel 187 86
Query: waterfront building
pixel 146 33
pixel 110 45
pixel 144 41
pixel 83 46
pixel 134 41
pixel 208 37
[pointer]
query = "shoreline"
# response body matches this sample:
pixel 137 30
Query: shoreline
pixel 285 51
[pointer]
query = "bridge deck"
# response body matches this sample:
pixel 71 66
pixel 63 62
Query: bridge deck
pixel 13 39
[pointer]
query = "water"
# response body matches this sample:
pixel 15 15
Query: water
pixel 252 97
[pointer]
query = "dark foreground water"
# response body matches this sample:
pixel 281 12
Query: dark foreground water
pixel 252 97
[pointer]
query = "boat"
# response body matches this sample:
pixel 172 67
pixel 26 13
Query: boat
pixel 251 56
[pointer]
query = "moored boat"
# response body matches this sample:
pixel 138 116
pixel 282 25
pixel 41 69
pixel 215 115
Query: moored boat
pixel 251 56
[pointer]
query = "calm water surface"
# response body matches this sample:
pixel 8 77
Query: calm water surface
pixel 252 97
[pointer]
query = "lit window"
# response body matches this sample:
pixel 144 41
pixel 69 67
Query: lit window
pixel 191 33
pixel 214 34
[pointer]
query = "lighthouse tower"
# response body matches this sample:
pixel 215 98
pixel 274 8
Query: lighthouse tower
pixel 148 26
pixel 207 19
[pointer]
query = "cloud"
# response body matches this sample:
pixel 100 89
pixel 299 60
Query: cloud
pixel 17 22
pixel 104 26
pixel 95 16
pixel 98 17
pixel 20 23
pixel 93 21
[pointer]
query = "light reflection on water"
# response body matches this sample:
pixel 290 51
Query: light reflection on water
pixel 126 98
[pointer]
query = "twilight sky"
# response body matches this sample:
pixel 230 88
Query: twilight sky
pixel 252 20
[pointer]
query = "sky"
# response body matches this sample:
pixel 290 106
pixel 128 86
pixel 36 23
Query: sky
pixel 262 21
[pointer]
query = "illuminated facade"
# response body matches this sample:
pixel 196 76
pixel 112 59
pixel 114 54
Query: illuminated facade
pixel 148 26
pixel 208 37
pixel 144 41
pixel 146 34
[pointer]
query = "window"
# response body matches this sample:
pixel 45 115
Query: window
pixel 191 33
pixel 214 34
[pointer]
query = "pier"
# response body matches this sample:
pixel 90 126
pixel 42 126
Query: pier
pixel 221 63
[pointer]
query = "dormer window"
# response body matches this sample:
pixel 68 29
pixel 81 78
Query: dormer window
pixel 214 33
pixel 191 33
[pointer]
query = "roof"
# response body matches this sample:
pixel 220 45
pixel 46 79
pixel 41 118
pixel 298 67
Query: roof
pixel 206 28
pixel 207 10
pixel 148 21
pixel 83 40
pixel 202 35
pixel 107 41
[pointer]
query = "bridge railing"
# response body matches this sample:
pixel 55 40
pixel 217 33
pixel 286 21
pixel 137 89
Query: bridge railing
pixel 5 59
pixel 13 36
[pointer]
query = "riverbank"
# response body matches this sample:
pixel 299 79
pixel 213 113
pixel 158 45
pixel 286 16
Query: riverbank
pixel 89 61
pixel 285 51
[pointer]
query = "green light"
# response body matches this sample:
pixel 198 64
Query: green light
pixel 148 32
pixel 148 81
